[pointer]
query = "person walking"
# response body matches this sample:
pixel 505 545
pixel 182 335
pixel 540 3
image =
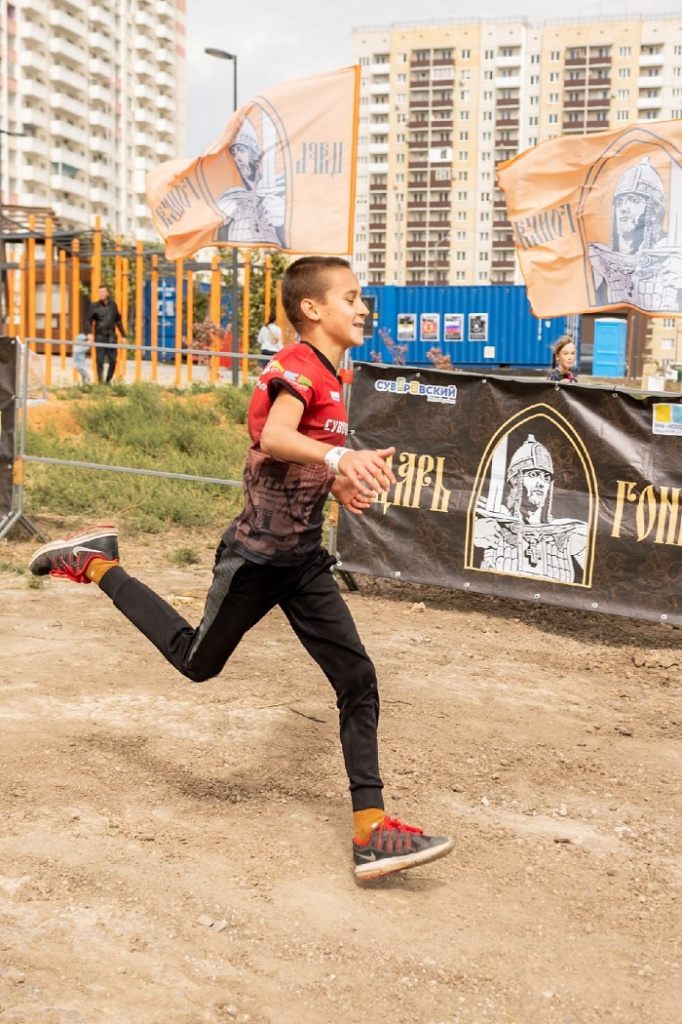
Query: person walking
pixel 104 318
pixel 272 552
pixel 81 349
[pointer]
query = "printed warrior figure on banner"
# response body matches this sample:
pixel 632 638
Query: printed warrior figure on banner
pixel 522 537
pixel 642 265
pixel 255 210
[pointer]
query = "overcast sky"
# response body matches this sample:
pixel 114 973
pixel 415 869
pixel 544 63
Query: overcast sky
pixel 276 40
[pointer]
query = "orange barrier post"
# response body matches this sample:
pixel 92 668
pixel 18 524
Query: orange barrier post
pixel 154 299
pixel 214 315
pixel 246 304
pixel 139 294
pixel 267 298
pixel 125 295
pixel 31 295
pixel 122 361
pixel 96 269
pixel 179 274
pixel 76 290
pixel 47 329
pixel 62 310
pixel 190 324
pixel 22 297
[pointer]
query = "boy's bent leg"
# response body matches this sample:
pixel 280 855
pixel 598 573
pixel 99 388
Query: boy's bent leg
pixel 320 618
pixel 236 601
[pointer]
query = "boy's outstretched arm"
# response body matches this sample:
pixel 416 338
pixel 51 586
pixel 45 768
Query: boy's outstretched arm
pixel 282 439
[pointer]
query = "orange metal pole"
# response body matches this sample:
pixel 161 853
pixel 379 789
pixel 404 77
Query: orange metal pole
pixel 75 289
pixel 214 313
pixel 22 297
pixel 139 295
pixel 190 324
pixel 121 362
pixel 62 310
pixel 47 330
pixel 125 298
pixel 96 270
pixel 245 316
pixel 179 275
pixel 11 328
pixel 154 300
pixel 267 301
pixel 31 295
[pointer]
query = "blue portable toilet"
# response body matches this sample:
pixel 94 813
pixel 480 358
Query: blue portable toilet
pixel 610 337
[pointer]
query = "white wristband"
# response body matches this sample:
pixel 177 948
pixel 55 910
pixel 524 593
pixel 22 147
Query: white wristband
pixel 333 457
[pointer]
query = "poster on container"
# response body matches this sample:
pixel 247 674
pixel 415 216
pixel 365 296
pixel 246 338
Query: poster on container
pixel 8 377
pixel 559 495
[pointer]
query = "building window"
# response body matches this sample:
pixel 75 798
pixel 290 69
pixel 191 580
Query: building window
pixel 555 55
pixel 461 176
pixel 460 256
pixel 463 154
pixel 488 75
pixel 462 197
pixel 554 97
pixel 554 76
pixel 623 72
pixel 535 58
pixel 488 54
pixel 624 51
pixel 553 119
pixel 466 54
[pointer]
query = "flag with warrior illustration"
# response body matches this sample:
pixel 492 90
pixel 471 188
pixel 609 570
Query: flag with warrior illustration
pixel 597 220
pixel 282 174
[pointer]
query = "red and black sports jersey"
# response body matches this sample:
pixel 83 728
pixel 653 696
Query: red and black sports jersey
pixel 282 517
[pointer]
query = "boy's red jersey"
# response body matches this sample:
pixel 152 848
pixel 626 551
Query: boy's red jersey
pixel 308 375
pixel 283 501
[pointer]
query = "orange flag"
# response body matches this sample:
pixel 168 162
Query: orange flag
pixel 597 220
pixel 282 174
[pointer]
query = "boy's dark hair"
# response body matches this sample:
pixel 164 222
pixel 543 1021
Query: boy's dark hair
pixel 307 278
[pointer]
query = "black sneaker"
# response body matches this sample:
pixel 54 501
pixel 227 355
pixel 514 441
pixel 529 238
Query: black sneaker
pixel 393 846
pixel 69 558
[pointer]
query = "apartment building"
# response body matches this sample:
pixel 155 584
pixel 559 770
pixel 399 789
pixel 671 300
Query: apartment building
pixel 98 91
pixel 443 103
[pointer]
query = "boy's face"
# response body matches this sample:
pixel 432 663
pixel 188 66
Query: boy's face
pixel 342 312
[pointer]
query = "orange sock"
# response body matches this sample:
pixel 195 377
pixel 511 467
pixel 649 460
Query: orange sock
pixel 363 822
pixel 97 568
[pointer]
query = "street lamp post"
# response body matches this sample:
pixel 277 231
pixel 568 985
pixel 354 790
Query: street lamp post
pixel 224 55
pixel 3 131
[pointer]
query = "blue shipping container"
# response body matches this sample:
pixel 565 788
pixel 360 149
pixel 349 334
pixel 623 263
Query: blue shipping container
pixel 481 326
pixel 166 319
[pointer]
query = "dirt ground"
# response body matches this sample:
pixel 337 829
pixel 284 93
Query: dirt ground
pixel 173 853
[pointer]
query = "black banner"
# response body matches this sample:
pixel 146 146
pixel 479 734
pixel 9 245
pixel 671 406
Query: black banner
pixel 559 494
pixel 8 418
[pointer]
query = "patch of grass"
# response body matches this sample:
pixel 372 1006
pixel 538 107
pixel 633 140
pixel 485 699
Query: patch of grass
pixel 35 582
pixel 184 556
pixel 147 427
pixel 11 567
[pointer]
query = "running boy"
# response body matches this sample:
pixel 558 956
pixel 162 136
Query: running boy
pixel 272 553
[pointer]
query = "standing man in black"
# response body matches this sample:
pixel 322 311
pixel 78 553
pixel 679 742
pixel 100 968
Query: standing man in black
pixel 104 317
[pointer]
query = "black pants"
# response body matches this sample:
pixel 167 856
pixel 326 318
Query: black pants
pixel 106 355
pixel 241 593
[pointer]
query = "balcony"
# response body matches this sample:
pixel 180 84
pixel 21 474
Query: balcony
pixel 143 44
pixel 165 150
pixel 650 81
pixel 165 127
pixel 65 130
pixel 506 122
pixel 142 211
pixel 167 104
pixel 101 94
pixel 33 144
pixel 34 173
pixel 380 89
pixel 100 119
pixel 651 60
pixel 649 102
pixel 70 214
pixel 31 88
pixel 379 108
pixel 71 186
pixel 100 68
pixel 67 22
pixel 509 101
pixel 513 82
pixel 32 31
pixel 62 76
pixel 596 61
pixel 143 140
pixel 575 83
pixel 144 69
pixel 379 148
pixel 576 62
pixel 38 7
pixel 165 56
pixel 32 60
pixel 141 115
pixel 419 101
pixel 143 19
pixel 166 81
pixel 67 103
pixel 61 155
pixel 509 62
pixel 599 83
pixel 99 171
pixel 102 196
pixel 98 41
pixel 34 118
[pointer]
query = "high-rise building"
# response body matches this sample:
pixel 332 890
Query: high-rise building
pixel 98 90
pixel 443 103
